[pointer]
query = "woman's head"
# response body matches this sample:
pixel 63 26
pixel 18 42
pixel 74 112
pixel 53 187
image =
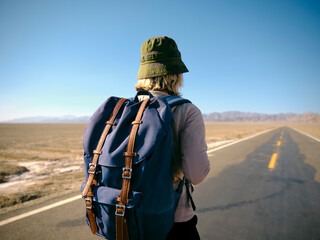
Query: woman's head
pixel 161 66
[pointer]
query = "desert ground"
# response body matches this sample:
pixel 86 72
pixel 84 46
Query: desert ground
pixel 41 161
pixel 311 128
pixel 52 154
pixel 220 133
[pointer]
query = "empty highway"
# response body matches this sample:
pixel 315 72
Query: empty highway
pixel 260 188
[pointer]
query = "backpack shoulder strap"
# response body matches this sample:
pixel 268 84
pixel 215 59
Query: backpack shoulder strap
pixel 174 100
pixel 87 191
pixel 122 200
pixel 188 186
pixel 97 151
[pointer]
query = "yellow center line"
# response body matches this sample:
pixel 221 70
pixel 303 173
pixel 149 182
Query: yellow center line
pixel 273 160
pixel 279 143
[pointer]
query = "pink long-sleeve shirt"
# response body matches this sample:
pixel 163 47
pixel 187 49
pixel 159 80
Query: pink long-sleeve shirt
pixel 190 157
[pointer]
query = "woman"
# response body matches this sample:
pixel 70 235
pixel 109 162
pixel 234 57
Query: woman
pixel 160 72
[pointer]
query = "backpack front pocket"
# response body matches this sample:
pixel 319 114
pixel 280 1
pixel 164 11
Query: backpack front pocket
pixel 104 207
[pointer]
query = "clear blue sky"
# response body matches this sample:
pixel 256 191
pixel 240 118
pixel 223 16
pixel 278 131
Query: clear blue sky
pixel 67 56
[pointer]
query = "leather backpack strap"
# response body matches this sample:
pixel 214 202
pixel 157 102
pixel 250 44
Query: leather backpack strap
pixel 97 152
pixel 121 226
pixel 87 191
pixel 91 215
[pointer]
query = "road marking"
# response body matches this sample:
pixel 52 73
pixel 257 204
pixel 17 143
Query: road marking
pixel 240 140
pixel 273 160
pixel 278 143
pixel 39 210
pixel 308 135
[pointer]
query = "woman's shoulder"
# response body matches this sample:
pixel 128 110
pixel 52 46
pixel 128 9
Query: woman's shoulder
pixel 187 108
pixel 187 115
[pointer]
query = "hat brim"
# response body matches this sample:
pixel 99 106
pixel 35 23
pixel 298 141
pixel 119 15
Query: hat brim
pixel 156 69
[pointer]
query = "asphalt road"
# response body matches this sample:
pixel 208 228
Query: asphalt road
pixel 248 200
pixel 243 197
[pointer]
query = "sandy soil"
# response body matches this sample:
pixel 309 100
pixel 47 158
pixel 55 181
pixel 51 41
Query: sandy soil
pixel 219 133
pixel 39 172
pixel 52 153
pixel 311 128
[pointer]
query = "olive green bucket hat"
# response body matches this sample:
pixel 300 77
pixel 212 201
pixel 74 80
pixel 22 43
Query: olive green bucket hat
pixel 160 56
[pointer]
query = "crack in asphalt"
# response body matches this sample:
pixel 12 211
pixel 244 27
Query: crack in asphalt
pixel 288 182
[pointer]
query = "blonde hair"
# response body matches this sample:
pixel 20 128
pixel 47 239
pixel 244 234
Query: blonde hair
pixel 170 84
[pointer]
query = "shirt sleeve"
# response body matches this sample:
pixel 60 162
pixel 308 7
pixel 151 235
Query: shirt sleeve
pixel 193 146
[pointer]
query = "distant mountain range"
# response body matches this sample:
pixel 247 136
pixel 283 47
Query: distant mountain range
pixel 233 116
pixel 46 119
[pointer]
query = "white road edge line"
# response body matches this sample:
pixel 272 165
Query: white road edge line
pixel 306 134
pixel 57 204
pixel 241 140
pixel 39 210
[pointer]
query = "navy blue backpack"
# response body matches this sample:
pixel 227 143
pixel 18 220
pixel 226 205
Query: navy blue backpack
pixel 127 157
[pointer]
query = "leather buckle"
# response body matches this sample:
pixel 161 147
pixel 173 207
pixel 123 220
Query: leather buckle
pixel 126 169
pixel 123 207
pixel 94 166
pixel 88 200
